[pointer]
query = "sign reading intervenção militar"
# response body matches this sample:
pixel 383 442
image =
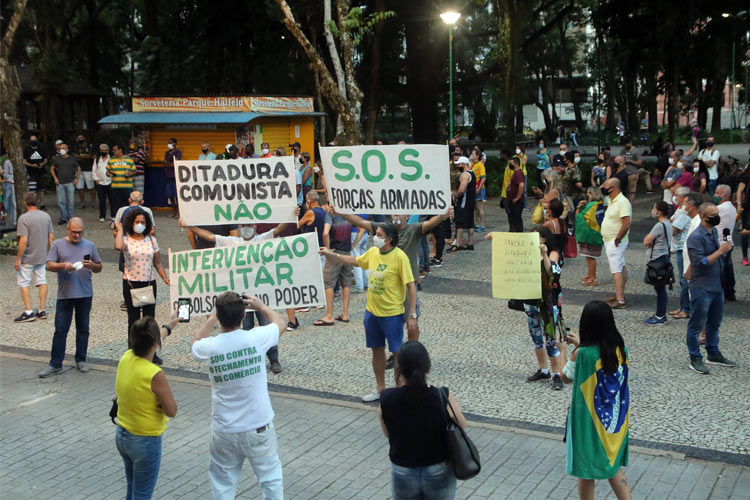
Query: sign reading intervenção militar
pixel 396 179
pixel 282 272
pixel 245 190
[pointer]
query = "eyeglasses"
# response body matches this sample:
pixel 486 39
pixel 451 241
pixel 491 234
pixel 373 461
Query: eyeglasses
pixel 76 232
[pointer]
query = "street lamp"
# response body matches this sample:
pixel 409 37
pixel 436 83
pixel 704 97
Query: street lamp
pixel 450 18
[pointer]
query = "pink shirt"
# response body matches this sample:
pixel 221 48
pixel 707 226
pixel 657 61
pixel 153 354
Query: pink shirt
pixel 139 258
pixel 686 179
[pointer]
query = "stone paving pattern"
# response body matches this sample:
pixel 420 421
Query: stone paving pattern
pixel 479 348
pixel 328 451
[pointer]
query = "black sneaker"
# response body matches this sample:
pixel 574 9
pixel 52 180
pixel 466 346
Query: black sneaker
pixel 720 360
pixel 41 315
pixel 557 383
pixel 697 365
pixel 292 326
pixel 25 318
pixel 538 375
pixel 157 360
pixel 275 367
pixel 389 363
pixel 436 263
pixel 62 222
pixel 469 247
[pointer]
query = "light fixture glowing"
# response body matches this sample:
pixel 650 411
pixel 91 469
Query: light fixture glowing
pixel 450 17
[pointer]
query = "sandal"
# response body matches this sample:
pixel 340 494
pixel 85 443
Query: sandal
pixel 339 318
pixel 320 322
pixel 454 249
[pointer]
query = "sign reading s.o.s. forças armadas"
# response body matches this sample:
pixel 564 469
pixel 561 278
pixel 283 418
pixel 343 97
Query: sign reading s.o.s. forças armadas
pixel 282 272
pixel 395 179
pixel 245 190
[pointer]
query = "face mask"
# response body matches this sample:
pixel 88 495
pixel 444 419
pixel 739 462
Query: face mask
pixel 710 144
pixel 518 151
pixel 546 213
pixel 671 161
pixel 316 169
pixel 170 146
pixel 717 199
pixel 378 242
pixel 265 151
pixel 81 141
pixel 577 159
pixel 34 143
pixel 541 145
pixel 204 151
pixel 247 232
pixel 605 191
pixel 139 228
pixel 713 220
pixel 654 214
pixel 63 152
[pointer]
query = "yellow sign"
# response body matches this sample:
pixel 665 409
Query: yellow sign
pixel 259 104
pixel 516 268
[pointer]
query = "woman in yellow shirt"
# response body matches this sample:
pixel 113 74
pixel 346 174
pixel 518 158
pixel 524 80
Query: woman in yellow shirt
pixel 144 401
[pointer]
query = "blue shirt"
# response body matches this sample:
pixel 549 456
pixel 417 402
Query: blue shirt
pixel 704 276
pixel 673 174
pixel 76 284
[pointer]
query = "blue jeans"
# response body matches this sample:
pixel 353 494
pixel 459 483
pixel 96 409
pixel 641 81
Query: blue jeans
pixel 424 253
pixel 661 293
pixel 712 185
pixel 9 202
pixel 361 276
pixel 63 317
pixel 142 457
pixel 433 482
pixel 707 310
pixel 684 288
pixel 66 200
pixel 248 323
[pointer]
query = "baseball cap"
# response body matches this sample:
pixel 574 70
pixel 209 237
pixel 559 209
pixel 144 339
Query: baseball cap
pixel 58 142
pixel 229 147
pixel 462 159
pixel 295 145
pixel 557 161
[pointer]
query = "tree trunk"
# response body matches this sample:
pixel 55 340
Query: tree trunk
pixel 651 94
pixel 93 50
pixel 674 103
pixel 328 86
pixel 571 83
pixel 374 92
pixel 611 92
pixel 10 93
pixel 335 59
pixel 513 19
pixel 717 102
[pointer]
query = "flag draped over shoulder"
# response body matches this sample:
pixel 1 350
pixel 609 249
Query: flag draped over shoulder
pixel 597 429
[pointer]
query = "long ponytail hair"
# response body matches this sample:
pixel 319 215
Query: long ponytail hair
pixel 414 365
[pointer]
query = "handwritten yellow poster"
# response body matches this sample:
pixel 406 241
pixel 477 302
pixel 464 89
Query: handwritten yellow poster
pixel 516 271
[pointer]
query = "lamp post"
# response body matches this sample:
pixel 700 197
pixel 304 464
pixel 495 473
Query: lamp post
pixel 450 18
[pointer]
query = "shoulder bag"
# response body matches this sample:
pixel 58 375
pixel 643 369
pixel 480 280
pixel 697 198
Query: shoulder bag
pixel 464 456
pixel 659 273
pixel 113 410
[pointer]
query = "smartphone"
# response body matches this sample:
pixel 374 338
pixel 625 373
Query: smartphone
pixel 87 256
pixel 183 310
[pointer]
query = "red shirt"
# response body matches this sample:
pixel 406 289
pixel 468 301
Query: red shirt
pixel 686 179
pixel 515 181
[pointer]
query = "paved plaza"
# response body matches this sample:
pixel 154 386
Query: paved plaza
pixel 479 348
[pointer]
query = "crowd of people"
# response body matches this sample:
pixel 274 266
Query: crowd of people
pixel 387 259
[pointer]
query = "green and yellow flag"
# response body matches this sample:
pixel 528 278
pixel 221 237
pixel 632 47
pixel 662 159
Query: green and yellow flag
pixel 597 429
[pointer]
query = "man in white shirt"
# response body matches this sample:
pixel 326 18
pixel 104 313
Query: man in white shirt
pixel 728 216
pixel 710 156
pixel 241 413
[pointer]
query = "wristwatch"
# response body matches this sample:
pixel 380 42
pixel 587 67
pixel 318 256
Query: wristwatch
pixel 413 315
pixel 167 328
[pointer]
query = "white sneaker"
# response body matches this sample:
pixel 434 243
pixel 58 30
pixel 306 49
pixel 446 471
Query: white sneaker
pixel 373 396
pixel 101 219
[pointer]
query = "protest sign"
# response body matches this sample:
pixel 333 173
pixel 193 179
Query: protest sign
pixel 282 272
pixel 396 179
pixel 245 190
pixel 516 271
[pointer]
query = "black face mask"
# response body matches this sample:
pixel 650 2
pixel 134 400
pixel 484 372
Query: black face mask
pixel 81 141
pixel 714 220
pixel 33 143
pixel 204 151
pixel 605 191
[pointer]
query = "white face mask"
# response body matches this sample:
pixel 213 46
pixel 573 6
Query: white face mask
pixel 264 151
pixel 518 151
pixel 671 161
pixel 378 242
pixel 247 232
pixel 139 228
pixel 63 152
pixel 577 159
pixel 680 164
pixel 170 146
pixel 316 169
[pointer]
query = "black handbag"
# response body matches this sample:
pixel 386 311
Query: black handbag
pixel 659 273
pixel 517 304
pixel 464 456
pixel 113 410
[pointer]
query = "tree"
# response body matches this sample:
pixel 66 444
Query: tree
pixel 10 93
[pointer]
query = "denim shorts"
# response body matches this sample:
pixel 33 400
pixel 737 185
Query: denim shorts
pixel 378 329
pixel 436 482
pixel 482 194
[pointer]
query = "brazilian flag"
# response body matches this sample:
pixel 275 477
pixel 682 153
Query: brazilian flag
pixel 597 428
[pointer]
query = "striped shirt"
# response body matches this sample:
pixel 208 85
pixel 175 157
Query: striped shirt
pixel 119 167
